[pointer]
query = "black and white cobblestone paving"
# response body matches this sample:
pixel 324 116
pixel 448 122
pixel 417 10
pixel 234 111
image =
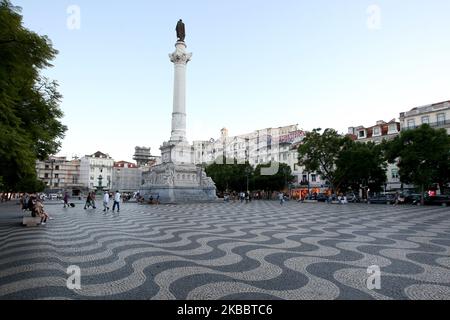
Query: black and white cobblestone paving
pixel 228 251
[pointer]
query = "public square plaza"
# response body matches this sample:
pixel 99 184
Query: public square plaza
pixel 259 250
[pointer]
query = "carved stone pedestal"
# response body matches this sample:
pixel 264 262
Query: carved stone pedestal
pixel 182 183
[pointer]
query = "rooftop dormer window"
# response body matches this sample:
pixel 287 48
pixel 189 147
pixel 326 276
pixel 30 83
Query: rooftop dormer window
pixel 361 134
pixel 376 131
pixel 392 128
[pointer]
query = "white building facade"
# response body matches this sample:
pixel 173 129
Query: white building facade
pixel 96 170
pixel 260 147
pixel 436 115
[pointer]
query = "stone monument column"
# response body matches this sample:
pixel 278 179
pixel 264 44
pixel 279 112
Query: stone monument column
pixel 177 179
pixel 180 58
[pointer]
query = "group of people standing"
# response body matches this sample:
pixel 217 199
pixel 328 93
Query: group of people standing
pixel 90 201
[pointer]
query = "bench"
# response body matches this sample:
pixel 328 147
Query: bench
pixel 29 221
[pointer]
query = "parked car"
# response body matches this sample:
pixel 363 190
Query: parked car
pixel 322 197
pixel 412 198
pixel 440 200
pixel 382 199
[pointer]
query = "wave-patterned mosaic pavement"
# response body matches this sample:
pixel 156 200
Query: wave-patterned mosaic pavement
pixel 228 251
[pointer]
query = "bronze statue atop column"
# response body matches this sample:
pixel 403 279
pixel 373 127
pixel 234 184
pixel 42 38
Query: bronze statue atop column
pixel 181 33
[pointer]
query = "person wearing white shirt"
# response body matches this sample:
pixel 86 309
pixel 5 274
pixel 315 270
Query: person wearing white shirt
pixel 116 201
pixel 105 201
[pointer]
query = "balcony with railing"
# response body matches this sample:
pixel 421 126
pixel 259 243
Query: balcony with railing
pixel 438 124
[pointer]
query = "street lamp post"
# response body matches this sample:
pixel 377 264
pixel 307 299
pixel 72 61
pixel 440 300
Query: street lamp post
pixel 307 178
pixel 52 161
pixel 247 172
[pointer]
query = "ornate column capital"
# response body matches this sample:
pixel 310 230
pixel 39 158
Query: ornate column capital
pixel 180 56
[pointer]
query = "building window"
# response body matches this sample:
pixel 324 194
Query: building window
pixel 425 119
pixel 313 178
pixel 47 166
pixel 376 131
pixel 361 134
pixel 394 173
pixel 304 178
pixel 46 175
pixel 56 185
pixel 441 118
pixel 57 168
pixel 56 175
pixel 392 128
pixel 411 123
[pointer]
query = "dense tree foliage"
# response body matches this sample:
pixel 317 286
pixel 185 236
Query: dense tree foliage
pixel 230 175
pixel 423 156
pixel 30 126
pixel 320 152
pixel 361 164
pixel 233 176
pixel 273 182
pixel 344 163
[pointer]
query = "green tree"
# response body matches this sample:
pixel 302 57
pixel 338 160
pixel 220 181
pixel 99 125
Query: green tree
pixel 30 126
pixel 230 175
pixel 320 152
pixel 423 156
pixel 278 181
pixel 361 164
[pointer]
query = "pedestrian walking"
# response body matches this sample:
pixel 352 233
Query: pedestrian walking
pixel 66 199
pixel 88 201
pixel 116 201
pixel 105 201
pixel 93 199
pixel 24 201
pixel 281 198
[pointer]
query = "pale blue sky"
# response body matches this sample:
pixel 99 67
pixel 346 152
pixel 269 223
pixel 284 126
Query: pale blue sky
pixel 256 64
